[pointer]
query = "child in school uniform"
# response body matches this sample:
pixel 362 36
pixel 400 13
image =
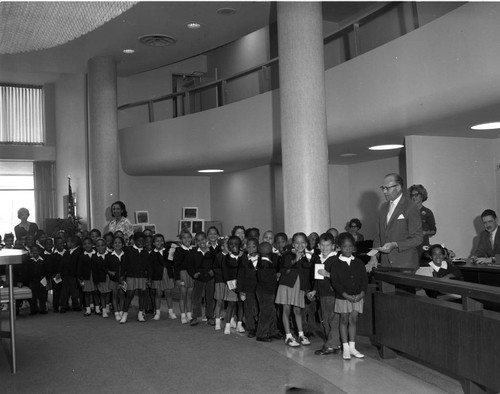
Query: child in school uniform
pixel 230 274
pixel 55 274
pixel 161 276
pixel 100 275
pixel 442 267
pixel 247 285
pixel 200 268
pixel 219 284
pixel 266 290
pixel 85 277
pixel 326 293
pixel 114 266
pixel 292 286
pixel 149 297
pixel 69 273
pixel 213 239
pixel 35 273
pixel 350 281
pixel 109 238
pixel 134 270
pixel 182 278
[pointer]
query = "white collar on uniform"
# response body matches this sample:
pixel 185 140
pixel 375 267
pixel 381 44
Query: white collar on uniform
pixel 346 259
pixel 59 253
pixel 444 265
pixel 266 258
pixel 102 255
pixel 323 259
pixel 201 251
pixel 90 253
pixel 233 256
pixel 185 247
pixel 117 255
pixel 159 250
pixel 138 249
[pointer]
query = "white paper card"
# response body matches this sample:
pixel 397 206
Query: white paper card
pixel 44 281
pixel 318 267
pixel 231 284
pixel 57 280
pixel 372 252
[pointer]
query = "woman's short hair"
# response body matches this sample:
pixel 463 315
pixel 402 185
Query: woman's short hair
pixel 356 222
pixel 21 211
pixel 420 190
pixel 122 206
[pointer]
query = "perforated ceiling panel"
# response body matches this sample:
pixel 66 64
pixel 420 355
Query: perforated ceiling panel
pixel 31 26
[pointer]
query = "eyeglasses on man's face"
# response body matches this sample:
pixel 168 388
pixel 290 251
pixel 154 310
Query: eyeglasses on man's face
pixel 387 188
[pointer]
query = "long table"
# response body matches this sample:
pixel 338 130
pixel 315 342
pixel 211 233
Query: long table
pixel 9 258
pixel 484 274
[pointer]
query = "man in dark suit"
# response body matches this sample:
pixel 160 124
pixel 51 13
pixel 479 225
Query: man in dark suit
pixel 489 239
pixel 399 229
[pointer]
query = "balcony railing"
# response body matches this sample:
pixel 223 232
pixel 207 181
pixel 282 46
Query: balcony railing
pixel 347 39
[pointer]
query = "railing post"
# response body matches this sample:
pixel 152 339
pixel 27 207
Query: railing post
pixel 187 103
pixel 414 14
pixel 357 44
pixel 151 111
pixel 222 93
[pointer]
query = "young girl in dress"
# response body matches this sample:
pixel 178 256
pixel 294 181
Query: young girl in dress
pixel 135 266
pixel 230 274
pixel 183 280
pixel 161 276
pixel 220 285
pixel 100 274
pixel 292 286
pixel 239 231
pixel 350 281
pixel 85 276
pixel 114 266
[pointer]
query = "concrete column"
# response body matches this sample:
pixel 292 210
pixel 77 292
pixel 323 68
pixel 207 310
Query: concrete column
pixel 303 117
pixel 103 138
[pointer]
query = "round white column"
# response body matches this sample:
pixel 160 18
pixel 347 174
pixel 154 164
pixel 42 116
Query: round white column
pixel 303 117
pixel 103 138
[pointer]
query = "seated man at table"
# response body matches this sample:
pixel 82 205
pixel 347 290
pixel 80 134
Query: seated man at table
pixel 489 239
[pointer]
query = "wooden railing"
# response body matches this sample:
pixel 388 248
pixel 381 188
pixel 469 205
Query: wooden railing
pixel 460 338
pixel 184 99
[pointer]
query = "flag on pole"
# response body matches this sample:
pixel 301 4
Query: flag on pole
pixel 71 200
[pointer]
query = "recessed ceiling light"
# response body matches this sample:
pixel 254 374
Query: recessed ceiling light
pixel 487 126
pixel 193 25
pixel 348 154
pixel 213 170
pixel 128 51
pixel 157 40
pixel 386 147
pixel 226 11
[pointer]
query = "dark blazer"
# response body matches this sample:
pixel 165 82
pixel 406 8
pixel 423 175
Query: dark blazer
pixel 218 261
pixel 99 268
pixel 267 280
pixel 291 269
pixel 135 263
pixel 405 228
pixel 157 263
pixel 247 276
pixel 84 266
pixel 114 264
pixel 180 261
pixel 70 262
pixel 230 267
pixel 484 248
pixel 200 263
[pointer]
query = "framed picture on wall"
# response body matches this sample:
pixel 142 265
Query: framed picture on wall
pixel 189 213
pixel 151 227
pixel 198 226
pixel 185 224
pixel 137 228
pixel 141 217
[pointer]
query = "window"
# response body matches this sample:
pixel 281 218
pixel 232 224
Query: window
pixel 17 190
pixel 21 114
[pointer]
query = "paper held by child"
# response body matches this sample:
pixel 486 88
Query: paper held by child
pixel 372 252
pixel 231 284
pixel 318 267
pixel 57 280
pixel 44 281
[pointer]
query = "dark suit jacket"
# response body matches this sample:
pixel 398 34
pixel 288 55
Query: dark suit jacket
pixel 484 248
pixel 405 228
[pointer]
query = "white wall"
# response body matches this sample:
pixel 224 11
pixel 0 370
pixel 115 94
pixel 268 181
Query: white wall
pixel 164 197
pixel 243 198
pixel 339 197
pixel 460 177
pixel 71 142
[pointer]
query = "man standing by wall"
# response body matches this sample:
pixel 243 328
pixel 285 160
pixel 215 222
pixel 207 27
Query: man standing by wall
pixel 399 228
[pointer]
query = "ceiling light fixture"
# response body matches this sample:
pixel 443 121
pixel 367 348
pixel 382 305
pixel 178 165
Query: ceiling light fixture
pixel 193 25
pixel 487 126
pixel 386 147
pixel 128 51
pixel 210 171
pixel 157 40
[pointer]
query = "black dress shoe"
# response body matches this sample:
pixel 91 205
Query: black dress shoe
pixel 194 322
pixel 251 334
pixel 278 336
pixel 63 310
pixel 43 312
pixel 263 339
pixel 77 309
pixel 324 351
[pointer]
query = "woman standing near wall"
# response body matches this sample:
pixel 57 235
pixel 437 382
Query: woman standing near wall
pixel 120 221
pixel 25 228
pixel 419 195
